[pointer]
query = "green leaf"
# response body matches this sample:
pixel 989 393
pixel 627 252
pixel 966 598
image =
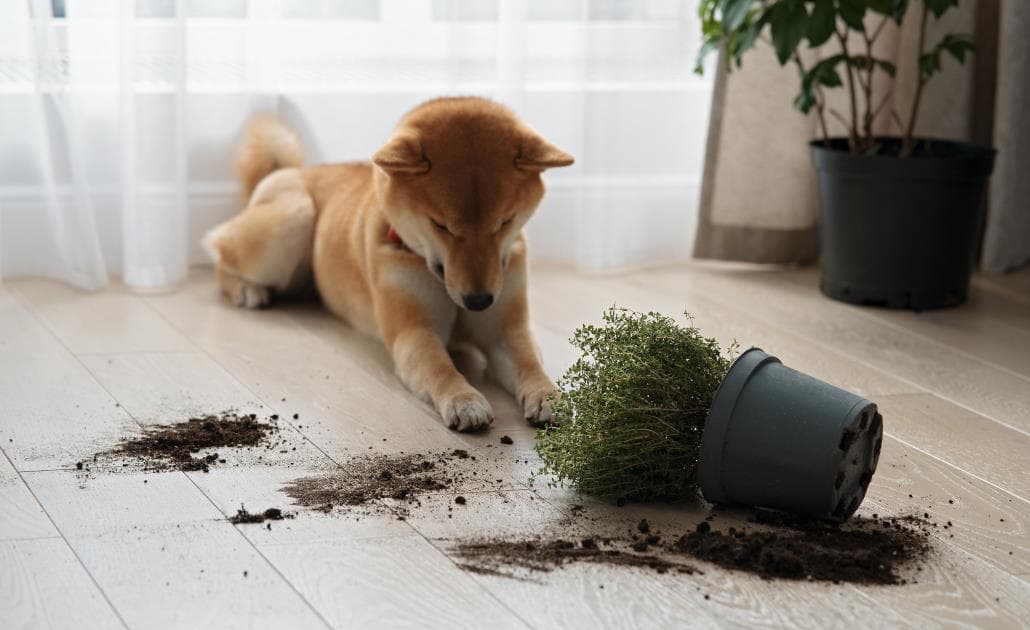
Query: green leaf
pixel 821 23
pixel 894 9
pixel 822 73
pixel 957 46
pixel 825 72
pixel 853 13
pixel 863 62
pixel 929 64
pixel 939 7
pixel 706 48
pixel 788 22
pixel 749 35
pixel 733 13
pixel 805 101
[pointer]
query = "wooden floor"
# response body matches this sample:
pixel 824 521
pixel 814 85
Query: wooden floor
pixel 79 372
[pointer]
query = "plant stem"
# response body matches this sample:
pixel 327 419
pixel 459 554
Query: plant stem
pixel 867 127
pixel 906 145
pixel 820 106
pixel 876 33
pixel 897 121
pixel 851 91
pixel 883 102
pixel 839 117
pixel 820 103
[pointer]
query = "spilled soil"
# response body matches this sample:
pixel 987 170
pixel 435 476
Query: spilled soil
pixel 508 558
pixel 771 545
pixel 271 514
pixel 175 446
pixel 364 480
pixel 863 551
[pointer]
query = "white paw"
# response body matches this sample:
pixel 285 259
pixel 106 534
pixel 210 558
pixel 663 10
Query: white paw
pixel 536 404
pixel 249 295
pixel 467 411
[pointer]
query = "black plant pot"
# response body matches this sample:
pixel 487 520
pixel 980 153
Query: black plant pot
pixel 900 232
pixel 777 438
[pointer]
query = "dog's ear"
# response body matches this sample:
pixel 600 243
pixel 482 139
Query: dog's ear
pixel 537 154
pixel 402 154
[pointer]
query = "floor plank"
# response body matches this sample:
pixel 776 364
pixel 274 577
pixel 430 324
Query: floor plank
pixel 1015 284
pixel 963 438
pixel 988 522
pixel 978 328
pixel 164 555
pixel 55 413
pixel 42 585
pixel 106 322
pixel 399 581
pixel 165 387
pixel 23 517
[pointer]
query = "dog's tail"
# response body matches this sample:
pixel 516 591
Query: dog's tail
pixel 268 145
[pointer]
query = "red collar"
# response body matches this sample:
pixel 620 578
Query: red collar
pixel 394 237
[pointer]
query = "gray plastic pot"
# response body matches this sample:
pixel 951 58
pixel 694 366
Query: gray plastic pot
pixel 777 438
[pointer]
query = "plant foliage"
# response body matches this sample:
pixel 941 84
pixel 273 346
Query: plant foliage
pixel 788 24
pixel 628 420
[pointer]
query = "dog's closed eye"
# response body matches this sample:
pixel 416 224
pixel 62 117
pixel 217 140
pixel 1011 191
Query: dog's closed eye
pixel 438 225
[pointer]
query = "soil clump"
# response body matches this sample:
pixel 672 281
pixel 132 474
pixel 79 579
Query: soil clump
pixel 884 551
pixel 174 446
pixel 271 514
pixel 513 559
pixel 364 480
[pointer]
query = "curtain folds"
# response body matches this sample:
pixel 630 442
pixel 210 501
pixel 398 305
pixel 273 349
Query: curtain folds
pixel 120 118
pixel 1007 238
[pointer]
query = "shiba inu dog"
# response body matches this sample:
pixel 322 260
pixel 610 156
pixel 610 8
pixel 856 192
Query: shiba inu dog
pixel 422 247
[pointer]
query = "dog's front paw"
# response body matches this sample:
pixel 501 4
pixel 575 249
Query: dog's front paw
pixel 467 411
pixel 249 295
pixel 536 404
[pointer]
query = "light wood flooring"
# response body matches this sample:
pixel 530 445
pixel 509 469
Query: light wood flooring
pixel 79 372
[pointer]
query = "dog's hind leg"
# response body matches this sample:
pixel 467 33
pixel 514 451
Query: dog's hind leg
pixel 266 249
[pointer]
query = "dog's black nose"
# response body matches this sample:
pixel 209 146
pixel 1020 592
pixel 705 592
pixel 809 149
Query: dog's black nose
pixel 477 301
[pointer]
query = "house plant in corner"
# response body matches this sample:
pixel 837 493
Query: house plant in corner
pixel 653 410
pixel 899 216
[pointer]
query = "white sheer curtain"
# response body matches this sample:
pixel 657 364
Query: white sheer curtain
pixel 119 118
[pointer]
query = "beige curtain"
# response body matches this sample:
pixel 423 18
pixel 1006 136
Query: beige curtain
pixel 758 198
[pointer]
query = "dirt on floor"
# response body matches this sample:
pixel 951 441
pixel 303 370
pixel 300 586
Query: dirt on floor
pixel 363 480
pixel 175 446
pixel 271 514
pixel 512 558
pixel 771 545
pixel 863 551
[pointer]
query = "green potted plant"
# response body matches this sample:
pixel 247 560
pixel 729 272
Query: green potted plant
pixel 899 216
pixel 654 411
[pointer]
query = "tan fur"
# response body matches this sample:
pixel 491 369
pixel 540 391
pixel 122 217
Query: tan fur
pixel 457 180
pixel 269 146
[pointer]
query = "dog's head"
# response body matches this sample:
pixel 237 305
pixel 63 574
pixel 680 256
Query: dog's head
pixel 458 179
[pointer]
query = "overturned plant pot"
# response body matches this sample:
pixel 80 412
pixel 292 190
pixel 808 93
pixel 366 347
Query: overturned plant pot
pixel 777 438
pixel 900 232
